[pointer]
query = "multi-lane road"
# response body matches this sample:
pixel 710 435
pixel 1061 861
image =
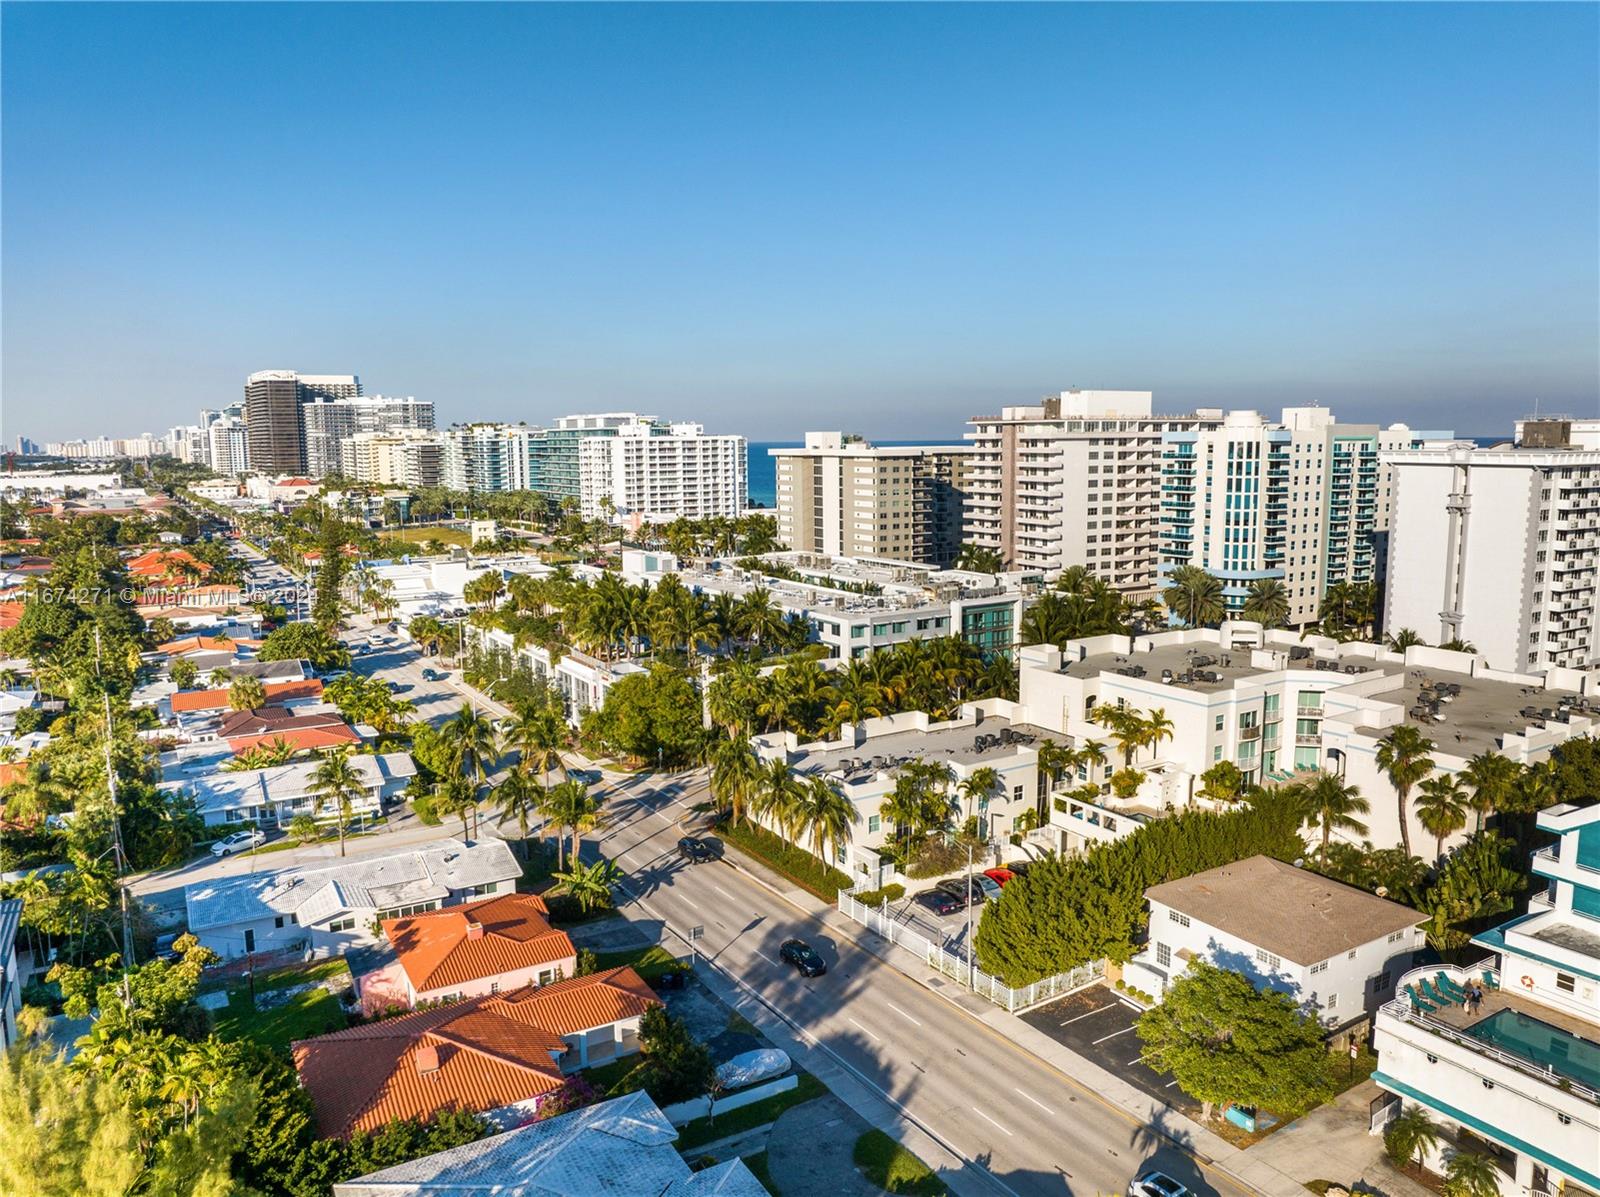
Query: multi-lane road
pixel 1019 1125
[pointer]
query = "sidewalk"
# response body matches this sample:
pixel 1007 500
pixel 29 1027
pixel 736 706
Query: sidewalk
pixel 1332 1143
pixel 1253 1170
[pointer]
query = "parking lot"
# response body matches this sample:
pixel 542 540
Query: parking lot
pixel 1098 1024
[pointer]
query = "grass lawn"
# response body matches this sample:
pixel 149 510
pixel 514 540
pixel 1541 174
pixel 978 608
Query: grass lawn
pixel 308 1014
pixel 458 536
pixel 894 1169
pixel 649 962
pixel 757 1113
pixel 758 1164
pixel 606 1077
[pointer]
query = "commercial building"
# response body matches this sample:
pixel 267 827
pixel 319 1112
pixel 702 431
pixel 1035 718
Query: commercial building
pixel 1499 548
pixel 1337 950
pixel 334 908
pixel 1305 502
pixel 845 496
pixel 1074 480
pixel 1517 1077
pixel 273 402
pixel 1274 705
pixel 410 457
pixel 651 472
pixel 857 606
pixel 330 422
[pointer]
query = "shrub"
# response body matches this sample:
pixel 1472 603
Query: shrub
pixel 935 856
pixel 794 863
pixel 892 892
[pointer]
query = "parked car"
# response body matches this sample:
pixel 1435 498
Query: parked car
pixel 1156 1184
pixel 164 949
pixel 941 901
pixel 999 876
pixel 1019 868
pixel 239 841
pixel 672 978
pixel 983 887
pixel 803 956
pixel 956 887
pixel 695 850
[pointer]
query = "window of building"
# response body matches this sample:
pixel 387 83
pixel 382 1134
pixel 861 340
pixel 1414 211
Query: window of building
pixel 1566 982
pixel 480 890
pixel 546 975
pixel 1320 967
pixel 345 924
pixel 494 986
pixel 1163 955
pixel 1332 1002
pixel 874 824
pixel 1217 724
pixel 1267 958
pixel 1395 936
pixel 1181 919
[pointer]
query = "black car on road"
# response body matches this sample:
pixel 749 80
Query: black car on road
pixel 803 956
pixel 695 850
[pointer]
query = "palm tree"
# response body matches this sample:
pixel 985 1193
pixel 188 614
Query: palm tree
pixel 1403 639
pixel 518 797
pixel 826 813
pixel 335 782
pixel 1469 1174
pixel 1156 728
pixel 1267 603
pixel 1333 805
pixel 855 695
pixel 735 773
pixel 774 798
pixel 1403 755
pixel 1194 596
pixel 472 740
pixel 246 693
pixel 1126 728
pixel 979 784
pixel 589 884
pixel 1091 756
pixel 1441 808
pixel 538 737
pixel 584 815
pixel 1493 778
pixel 1055 759
pixel 759 620
pixel 1411 1135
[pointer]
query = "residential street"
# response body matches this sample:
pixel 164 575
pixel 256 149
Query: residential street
pixel 1020 1126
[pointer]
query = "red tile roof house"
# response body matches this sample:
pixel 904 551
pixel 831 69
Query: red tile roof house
pixel 278 693
pixel 244 730
pixel 496 1055
pixel 490 946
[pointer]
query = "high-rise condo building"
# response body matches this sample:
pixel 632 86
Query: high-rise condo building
pixel 648 471
pixel 559 471
pixel 1305 502
pixel 400 457
pixel 328 422
pixel 491 457
pixel 273 402
pixel 846 497
pixel 228 446
pixel 1074 480
pixel 1497 547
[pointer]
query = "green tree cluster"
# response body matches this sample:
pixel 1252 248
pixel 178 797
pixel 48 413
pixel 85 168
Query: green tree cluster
pixel 648 717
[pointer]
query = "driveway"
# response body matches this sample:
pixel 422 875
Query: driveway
pixel 1098 1024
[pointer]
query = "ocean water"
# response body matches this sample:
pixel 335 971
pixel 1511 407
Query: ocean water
pixel 763 468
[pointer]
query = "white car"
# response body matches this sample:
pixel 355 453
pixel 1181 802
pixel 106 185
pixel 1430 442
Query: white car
pixel 1156 1184
pixel 239 841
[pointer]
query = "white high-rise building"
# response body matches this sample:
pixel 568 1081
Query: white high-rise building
pixel 647 472
pixel 1497 547
pixel 1304 502
pixel 228 446
pixel 401 457
pixel 1074 480
pixel 329 422
pixel 490 457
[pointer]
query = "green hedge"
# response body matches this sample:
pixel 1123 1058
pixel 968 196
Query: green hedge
pixel 798 865
pixel 1063 913
pixel 892 892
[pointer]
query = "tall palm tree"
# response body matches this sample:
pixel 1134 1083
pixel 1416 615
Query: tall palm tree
pixel 336 783
pixel 538 737
pixel 1413 1132
pixel 473 742
pixel 1126 726
pixel 1333 805
pixel 1267 603
pixel 1403 755
pixel 774 798
pixel 1055 760
pixel 564 808
pixel 759 620
pixel 735 773
pixel 1156 728
pixel 856 697
pixel 1194 596
pixel 1441 807
pixel 518 797
pixel 825 813
pixel 1091 757
pixel 979 784
pixel 1493 779
pixel 585 815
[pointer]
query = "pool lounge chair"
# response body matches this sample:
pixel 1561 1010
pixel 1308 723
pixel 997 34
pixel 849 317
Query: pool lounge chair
pixel 1456 993
pixel 1488 980
pixel 1436 995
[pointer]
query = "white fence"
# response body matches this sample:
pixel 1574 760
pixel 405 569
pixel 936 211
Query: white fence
pixel 958 968
pixel 698 1107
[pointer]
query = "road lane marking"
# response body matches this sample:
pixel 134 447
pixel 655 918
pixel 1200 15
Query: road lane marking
pixel 1114 1034
pixel 903 1014
pixel 693 905
pixel 1035 1101
pixel 722 891
pixel 862 1028
pixel 990 1121
pixel 1096 1010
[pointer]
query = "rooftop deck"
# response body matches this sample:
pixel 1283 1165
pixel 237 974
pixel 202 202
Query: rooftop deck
pixel 950 745
pixel 1207 668
pixel 1480 712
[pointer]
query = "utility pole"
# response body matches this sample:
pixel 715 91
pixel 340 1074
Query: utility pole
pixel 970 963
pixel 116 829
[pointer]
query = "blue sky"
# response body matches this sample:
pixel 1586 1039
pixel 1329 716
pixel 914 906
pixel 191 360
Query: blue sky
pixel 773 218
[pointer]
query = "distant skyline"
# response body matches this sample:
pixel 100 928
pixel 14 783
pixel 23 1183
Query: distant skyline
pixel 778 218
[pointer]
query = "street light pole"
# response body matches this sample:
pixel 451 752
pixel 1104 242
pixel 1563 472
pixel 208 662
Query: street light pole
pixel 970 964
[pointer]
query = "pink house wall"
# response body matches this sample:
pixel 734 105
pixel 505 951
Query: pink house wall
pixel 565 967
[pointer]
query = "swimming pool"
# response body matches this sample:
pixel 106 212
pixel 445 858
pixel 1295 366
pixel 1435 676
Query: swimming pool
pixel 1547 1046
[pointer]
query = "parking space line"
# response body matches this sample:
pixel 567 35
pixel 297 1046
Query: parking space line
pixel 991 1121
pixel 1114 1034
pixel 863 1029
pixel 1096 1010
pixel 1036 1101
pixel 1139 1059
pixel 1169 1084
pixel 903 1014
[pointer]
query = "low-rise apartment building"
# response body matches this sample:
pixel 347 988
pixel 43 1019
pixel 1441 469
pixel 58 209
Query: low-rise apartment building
pixel 582 679
pixel 1517 1077
pixel 227 799
pixel 1336 950
pixel 856 606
